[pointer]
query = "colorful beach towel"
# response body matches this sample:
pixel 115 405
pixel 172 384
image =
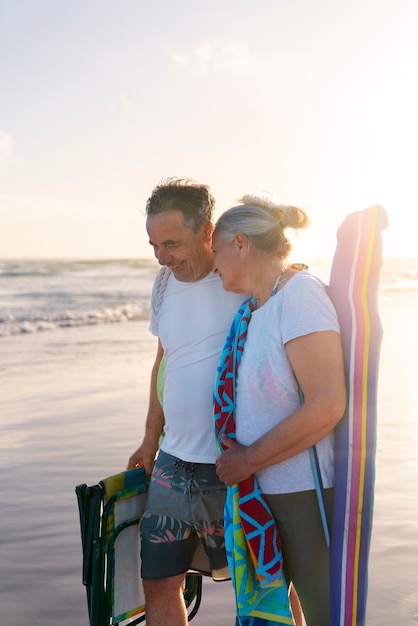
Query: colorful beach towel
pixel 253 544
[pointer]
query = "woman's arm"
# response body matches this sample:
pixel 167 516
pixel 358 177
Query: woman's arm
pixel 317 362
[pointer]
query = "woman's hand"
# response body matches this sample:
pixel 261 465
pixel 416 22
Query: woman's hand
pixel 232 465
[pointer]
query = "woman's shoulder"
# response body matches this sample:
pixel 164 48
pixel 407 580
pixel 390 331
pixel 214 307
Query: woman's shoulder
pixel 305 280
pixel 306 306
pixel 307 288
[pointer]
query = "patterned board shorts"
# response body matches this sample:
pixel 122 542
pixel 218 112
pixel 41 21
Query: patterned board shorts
pixel 182 526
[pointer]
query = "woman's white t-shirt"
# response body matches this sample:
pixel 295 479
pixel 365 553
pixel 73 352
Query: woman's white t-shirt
pixel 267 390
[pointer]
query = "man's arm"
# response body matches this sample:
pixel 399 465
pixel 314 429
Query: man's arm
pixel 145 454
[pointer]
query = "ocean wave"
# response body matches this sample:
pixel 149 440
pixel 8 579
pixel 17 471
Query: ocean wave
pixel 399 275
pixel 12 325
pixel 110 268
pixel 45 295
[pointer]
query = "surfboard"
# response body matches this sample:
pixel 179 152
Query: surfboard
pixel 353 286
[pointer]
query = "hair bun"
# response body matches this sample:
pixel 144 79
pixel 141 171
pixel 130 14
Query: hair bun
pixel 288 216
pixel 264 200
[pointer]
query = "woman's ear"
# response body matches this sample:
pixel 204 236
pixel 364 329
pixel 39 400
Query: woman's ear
pixel 242 244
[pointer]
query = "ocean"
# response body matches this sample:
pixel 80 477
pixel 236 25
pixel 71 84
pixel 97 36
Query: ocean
pixel 75 359
pixel 45 295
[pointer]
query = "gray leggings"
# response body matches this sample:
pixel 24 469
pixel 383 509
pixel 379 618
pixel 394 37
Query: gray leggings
pixel 305 553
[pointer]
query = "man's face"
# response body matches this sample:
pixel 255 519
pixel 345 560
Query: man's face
pixel 186 253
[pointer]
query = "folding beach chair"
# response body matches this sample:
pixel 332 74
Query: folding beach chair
pixel 109 518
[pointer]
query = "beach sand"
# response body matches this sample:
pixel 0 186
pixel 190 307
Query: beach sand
pixel 72 408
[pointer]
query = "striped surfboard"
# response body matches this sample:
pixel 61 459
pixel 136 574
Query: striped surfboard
pixel 353 288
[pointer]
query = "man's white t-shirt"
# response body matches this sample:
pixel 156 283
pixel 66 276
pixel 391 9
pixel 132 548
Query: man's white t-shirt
pixel 192 323
pixel 267 390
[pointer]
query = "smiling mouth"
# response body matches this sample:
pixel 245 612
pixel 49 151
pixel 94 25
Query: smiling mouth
pixel 173 268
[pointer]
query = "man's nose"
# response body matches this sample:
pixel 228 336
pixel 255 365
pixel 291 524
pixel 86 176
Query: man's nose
pixel 163 257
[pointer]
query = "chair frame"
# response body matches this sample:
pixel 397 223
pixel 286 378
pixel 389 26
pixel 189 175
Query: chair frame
pixel 98 546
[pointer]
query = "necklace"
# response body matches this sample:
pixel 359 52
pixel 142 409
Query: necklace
pixel 275 288
pixel 277 283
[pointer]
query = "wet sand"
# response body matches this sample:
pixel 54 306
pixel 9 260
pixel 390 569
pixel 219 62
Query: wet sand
pixel 72 405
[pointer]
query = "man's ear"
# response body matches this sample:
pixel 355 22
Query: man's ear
pixel 208 229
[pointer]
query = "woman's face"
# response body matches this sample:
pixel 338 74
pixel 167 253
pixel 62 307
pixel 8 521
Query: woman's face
pixel 228 262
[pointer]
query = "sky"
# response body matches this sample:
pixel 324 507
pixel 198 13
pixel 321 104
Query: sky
pixel 312 101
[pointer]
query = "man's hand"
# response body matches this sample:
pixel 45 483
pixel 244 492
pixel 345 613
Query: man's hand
pixel 144 456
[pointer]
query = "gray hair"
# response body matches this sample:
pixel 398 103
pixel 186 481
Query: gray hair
pixel 263 223
pixel 193 199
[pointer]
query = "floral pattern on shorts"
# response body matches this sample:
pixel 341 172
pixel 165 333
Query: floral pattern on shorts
pixel 172 529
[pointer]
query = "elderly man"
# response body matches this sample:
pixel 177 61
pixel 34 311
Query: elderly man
pixel 191 316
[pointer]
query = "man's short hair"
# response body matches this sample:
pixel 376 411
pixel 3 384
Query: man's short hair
pixel 193 199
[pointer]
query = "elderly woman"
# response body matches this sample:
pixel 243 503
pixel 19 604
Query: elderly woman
pixel 290 387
